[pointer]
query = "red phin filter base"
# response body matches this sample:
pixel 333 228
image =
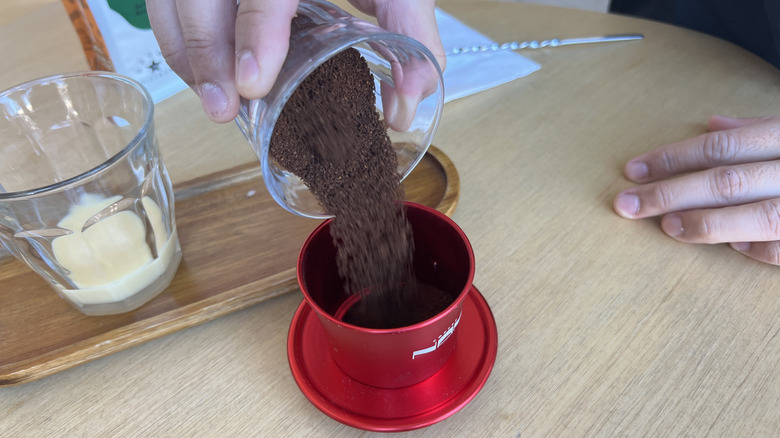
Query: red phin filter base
pixel 393 379
pixel 394 409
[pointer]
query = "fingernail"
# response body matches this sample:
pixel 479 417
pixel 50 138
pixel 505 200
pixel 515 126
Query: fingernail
pixel 403 112
pixel 389 104
pixel 741 246
pixel 627 204
pixel 672 225
pixel 247 70
pixel 214 99
pixel 636 170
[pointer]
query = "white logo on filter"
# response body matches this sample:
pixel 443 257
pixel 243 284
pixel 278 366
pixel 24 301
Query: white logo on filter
pixel 440 340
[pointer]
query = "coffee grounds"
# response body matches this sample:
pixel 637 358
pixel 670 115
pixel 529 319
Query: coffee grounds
pixel 330 135
pixel 428 302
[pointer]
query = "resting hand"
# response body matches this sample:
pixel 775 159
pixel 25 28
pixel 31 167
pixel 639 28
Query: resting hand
pixel 222 51
pixel 720 187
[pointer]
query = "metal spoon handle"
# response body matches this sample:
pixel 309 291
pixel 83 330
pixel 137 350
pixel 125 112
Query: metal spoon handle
pixel 535 44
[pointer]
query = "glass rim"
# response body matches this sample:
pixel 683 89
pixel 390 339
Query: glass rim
pixel 111 76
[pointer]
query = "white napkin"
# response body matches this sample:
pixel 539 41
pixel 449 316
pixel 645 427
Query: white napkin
pixel 471 73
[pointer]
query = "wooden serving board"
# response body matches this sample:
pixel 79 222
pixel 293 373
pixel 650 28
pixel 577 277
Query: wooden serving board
pixel 238 248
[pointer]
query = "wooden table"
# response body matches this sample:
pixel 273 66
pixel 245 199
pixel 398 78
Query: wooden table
pixel 606 326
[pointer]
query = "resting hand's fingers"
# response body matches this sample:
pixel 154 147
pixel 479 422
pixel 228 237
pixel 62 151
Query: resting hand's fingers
pixel 756 222
pixel 262 40
pixel 719 123
pixel 767 252
pixel 734 141
pixel 719 187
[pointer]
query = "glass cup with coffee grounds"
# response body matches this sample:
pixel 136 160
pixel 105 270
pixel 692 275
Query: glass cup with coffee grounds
pixel 407 96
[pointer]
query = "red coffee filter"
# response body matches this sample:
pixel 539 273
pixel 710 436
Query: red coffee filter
pixel 399 378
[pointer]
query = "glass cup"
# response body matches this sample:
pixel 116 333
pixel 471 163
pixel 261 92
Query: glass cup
pixel 85 199
pixel 394 357
pixel 409 93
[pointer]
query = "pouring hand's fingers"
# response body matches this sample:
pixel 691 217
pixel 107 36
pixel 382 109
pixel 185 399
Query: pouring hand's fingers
pixel 413 82
pixel 196 38
pixel 262 41
pixel 208 30
pixel 164 19
pixel 413 18
pixel 415 79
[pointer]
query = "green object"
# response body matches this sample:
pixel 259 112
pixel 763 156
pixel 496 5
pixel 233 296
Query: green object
pixel 134 11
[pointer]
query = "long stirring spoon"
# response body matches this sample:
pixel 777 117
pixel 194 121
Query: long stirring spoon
pixel 535 44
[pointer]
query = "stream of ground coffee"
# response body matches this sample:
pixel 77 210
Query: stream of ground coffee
pixel 330 135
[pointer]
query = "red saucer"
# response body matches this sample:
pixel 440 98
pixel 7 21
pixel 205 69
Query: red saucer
pixel 391 410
